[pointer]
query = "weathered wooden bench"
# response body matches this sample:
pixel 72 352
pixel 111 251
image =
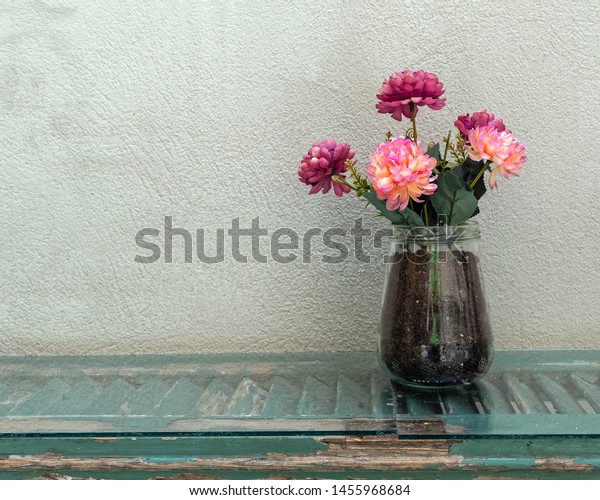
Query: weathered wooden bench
pixel 323 415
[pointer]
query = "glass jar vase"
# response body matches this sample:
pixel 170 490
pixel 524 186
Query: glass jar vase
pixel 434 328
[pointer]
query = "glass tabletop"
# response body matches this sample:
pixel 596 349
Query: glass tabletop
pixel 527 394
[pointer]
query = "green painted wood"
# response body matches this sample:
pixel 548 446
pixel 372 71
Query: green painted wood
pixel 554 360
pixel 467 458
pixel 381 396
pixel 282 400
pixel 190 447
pixel 353 397
pixel 459 402
pixel 76 400
pixel 158 449
pixel 211 365
pixel 399 476
pixel 146 399
pixel 215 399
pixel 248 399
pixel 536 392
pixel 492 399
pixel 317 398
pixel 535 413
pixel 560 398
pixel 589 391
pixel 180 399
pixel 523 395
pixel 41 399
pixel 112 399
pixel 519 426
pixel 14 393
pixel 419 403
pixel 583 448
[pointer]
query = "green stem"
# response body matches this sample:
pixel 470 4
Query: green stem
pixel 426 214
pixel 413 114
pixel 478 176
pixel 339 180
pixel 446 149
pixel 435 291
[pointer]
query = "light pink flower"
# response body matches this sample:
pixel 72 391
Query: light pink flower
pixel 500 147
pixel 324 160
pixel 400 171
pixel 466 123
pixel 404 88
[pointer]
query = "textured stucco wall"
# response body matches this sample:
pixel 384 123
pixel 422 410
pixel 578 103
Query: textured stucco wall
pixel 114 114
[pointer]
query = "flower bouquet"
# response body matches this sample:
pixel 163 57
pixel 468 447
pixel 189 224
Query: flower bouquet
pixel 434 328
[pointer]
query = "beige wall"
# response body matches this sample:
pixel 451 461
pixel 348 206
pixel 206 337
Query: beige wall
pixel 115 114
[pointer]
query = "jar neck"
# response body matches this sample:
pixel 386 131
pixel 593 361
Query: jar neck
pixel 437 234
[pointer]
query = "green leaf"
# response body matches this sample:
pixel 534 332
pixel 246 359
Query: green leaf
pixel 453 199
pixel 405 218
pixel 467 171
pixel 434 151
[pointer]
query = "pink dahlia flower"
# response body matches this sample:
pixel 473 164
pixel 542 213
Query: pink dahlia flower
pixel 404 88
pixel 500 147
pixel 466 123
pixel 324 160
pixel 400 171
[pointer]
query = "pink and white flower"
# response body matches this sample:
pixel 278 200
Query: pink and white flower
pixel 500 147
pixel 400 171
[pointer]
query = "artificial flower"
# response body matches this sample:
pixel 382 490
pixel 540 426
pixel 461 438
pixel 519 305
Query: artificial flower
pixel 400 171
pixel 324 160
pixel 466 123
pixel 406 88
pixel 500 147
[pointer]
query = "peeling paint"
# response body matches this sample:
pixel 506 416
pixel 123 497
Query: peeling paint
pixel 338 453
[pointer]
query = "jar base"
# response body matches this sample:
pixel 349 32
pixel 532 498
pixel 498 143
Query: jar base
pixel 439 378
pixel 428 386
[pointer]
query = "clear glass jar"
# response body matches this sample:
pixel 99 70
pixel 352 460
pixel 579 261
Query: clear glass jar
pixel 434 327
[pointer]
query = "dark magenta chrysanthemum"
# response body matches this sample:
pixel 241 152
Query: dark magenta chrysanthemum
pixel 324 160
pixel 402 89
pixel 466 123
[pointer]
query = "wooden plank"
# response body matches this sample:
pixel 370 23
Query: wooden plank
pixel 282 399
pixel 112 400
pixel 14 394
pixel 494 401
pixel 317 398
pixel 344 454
pixel 459 402
pixel 146 400
pixel 420 403
pixel 296 393
pixel 248 399
pixel 591 392
pixel 75 401
pixel 381 396
pixel 215 399
pixel 181 399
pixel 524 396
pixel 560 398
pixel 39 402
pixel 353 398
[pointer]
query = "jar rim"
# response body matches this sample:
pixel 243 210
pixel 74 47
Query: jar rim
pixel 468 230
